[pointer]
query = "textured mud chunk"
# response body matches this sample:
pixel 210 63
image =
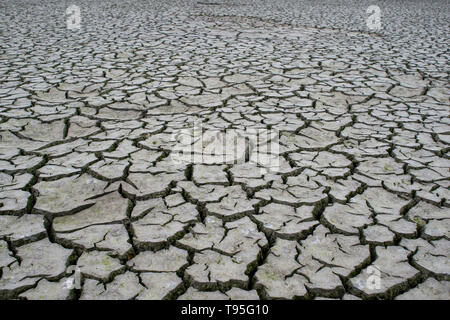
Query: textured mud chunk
pixel 20 230
pixel 99 146
pixel 277 275
pixel 379 168
pixel 432 218
pixel 67 194
pixel 211 234
pixel 404 92
pixel 66 165
pixel 350 297
pixel 297 191
pixel 109 208
pixel 122 151
pixel 348 218
pixel 174 200
pixel 143 207
pixel 6 256
pixel 430 256
pixel 189 81
pixel 159 141
pixel 166 260
pixel 46 290
pixel 240 78
pixel 436 196
pixel 125 106
pixel 233 206
pixel 194 294
pixel 340 190
pixel 113 238
pixel 431 289
pixel 310 139
pixel 81 127
pixel 322 161
pixel 426 211
pixel 11 182
pixel 13 201
pixel 407 183
pixel 41 131
pixel 209 174
pixel 411 81
pixel 437 229
pixel 38 259
pixel 207 193
pixel 287 222
pixel 204 100
pixel 124 287
pixel 398 225
pixel 109 169
pixel 440 94
pixel 250 175
pixel 176 107
pixel 159 285
pixel 240 294
pixel 325 256
pixel 99 265
pixel 10 145
pixel 378 235
pixel 21 163
pixel 95 146
pixel 143 159
pixel 210 267
pixel 163 224
pixel 210 150
pixel 235 250
pixel 382 201
pixel 52 95
pixel 61 151
pixel 389 273
pixel 204 235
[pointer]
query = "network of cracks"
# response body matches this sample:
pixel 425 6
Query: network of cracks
pixel 87 178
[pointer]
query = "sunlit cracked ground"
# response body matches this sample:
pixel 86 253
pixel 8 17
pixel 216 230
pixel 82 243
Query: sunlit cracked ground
pixel 87 124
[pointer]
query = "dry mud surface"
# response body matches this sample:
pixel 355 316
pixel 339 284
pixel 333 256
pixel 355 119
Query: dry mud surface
pixel 87 120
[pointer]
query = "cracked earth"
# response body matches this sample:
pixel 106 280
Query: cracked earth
pixel 87 121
